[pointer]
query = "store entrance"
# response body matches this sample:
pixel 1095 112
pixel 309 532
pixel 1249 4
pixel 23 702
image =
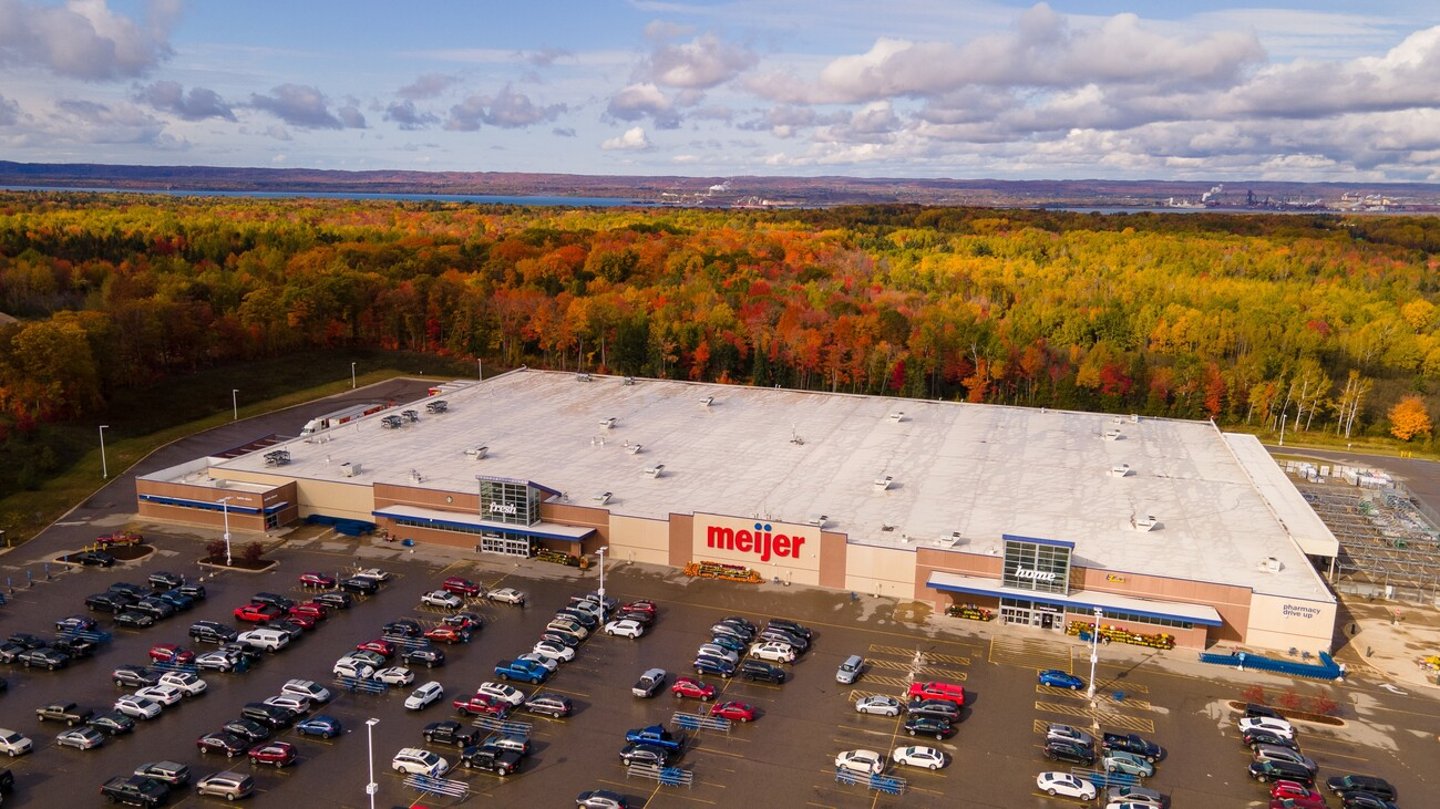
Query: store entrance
pixel 504 545
pixel 1018 612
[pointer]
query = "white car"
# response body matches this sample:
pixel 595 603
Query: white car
pixel 555 651
pixel 442 598
pixel 192 685
pixel 1066 733
pixel 865 762
pixel 15 744
pixel 415 761
pixel 773 652
pixel 878 704
pixel 926 757
pixel 716 650
pixel 137 707
pixel 293 702
pixel 628 628
pixel 163 694
pixel 373 573
pixel 424 696
pixel 311 690
pixel 346 667
pixel 544 661
pixel 502 692
pixel 1063 783
pixel 394 675
pixel 1269 724
pixel 507 595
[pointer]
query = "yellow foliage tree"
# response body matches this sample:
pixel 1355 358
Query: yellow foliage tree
pixel 1408 418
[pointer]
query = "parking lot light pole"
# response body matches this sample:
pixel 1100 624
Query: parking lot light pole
pixel 235 402
pixel 371 788
pixel 104 469
pixel 225 510
pixel 352 376
pixel 601 554
pixel 1094 655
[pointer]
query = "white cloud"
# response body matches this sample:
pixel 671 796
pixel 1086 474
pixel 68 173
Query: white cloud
pixel 84 39
pixel 701 63
pixel 633 140
pixel 427 86
pixel 637 101
pixel 506 110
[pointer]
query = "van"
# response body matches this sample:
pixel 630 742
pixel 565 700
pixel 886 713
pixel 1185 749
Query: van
pixel 849 670
pixel 270 640
pixel 228 785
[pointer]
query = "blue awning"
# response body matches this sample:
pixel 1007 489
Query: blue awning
pixel 456 520
pixel 206 505
pixel 1082 600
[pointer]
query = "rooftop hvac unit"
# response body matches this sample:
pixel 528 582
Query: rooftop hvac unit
pixel 817 520
pixel 582 377
pixel 655 471
pixel 956 539
pixel 1271 565
pixel 629 380
pixel 1113 435
pixel 349 469
pixel 706 401
pixel 478 452
pixel 1146 523
pixel 633 449
pixel 1120 470
pixel 608 423
pixel 883 483
pixel 601 498
pixel 897 416
pixel 1134 418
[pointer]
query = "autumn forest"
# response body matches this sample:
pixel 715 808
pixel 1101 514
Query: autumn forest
pixel 1327 320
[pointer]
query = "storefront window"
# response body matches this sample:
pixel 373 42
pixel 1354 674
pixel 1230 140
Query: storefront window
pixel 514 502
pixel 1037 566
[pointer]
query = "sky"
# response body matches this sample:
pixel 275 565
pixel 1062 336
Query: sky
pixel 1300 90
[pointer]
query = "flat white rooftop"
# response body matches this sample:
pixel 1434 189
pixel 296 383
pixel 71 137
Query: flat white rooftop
pixel 960 475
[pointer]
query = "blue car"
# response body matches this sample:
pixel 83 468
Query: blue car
pixel 730 642
pixel 322 725
pixel 715 666
pixel 1061 679
pixel 523 670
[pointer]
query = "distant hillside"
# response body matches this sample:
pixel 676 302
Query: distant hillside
pixel 747 192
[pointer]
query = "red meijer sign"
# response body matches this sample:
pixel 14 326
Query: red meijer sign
pixel 759 541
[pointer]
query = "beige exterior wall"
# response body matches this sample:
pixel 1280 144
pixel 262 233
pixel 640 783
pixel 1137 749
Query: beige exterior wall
pixel 1290 623
pixel 351 501
pixel 793 551
pixel 636 539
pixel 881 571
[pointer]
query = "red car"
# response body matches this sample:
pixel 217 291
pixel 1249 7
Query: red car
pixel 1297 792
pixel 643 605
pixel 481 705
pixel 310 609
pixel 692 688
pixel 460 586
pixel 171 653
pixel 448 634
pixel 950 692
pixel 275 753
pixel 384 648
pixel 317 580
pixel 258 613
pixel 119 538
pixel 1298 803
pixel 734 711
pixel 303 621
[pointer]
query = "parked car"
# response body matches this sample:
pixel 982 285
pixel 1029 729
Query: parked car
pixel 934 707
pixel 276 754
pixel 1267 752
pixel 314 692
pixel 353 669
pixel 424 696
pixel 450 732
pixel 212 632
pixel 1055 678
pixel 601 799
pixel 67 712
pixel 135 790
pixel 507 595
pixel 228 785
pixel 322 725
pixel 714 666
pixel 222 742
pixel 15 744
pixel 290 702
pixel 360 585
pixel 632 754
pixel 81 738
pixel 112 723
pixel 497 760
pixel 865 762
pixel 692 688
pixel 481 705
pixel 92 559
pixel 447 634
pixel 417 761
pixel 442 599
pixel 1281 771
pixel 171 772
pixel 924 757
pixel 218 661
pixel 1341 784
pixel 1136 794
pixel 171 653
pixel 502 692
pixel 879 704
pixel 760 671
pixel 165 580
pixel 522 670
pixel 938 690
pixel 649 683
pixel 462 586
pixel 189 684
pixel 1126 764
pixel 427 656
pixel 1064 784
pixel 248 730
pixel 1278 727
pixel 625 628
pixel 75 623
pixel 1251 738
pixel 166 695
pixel 1059 750
pixel 936 726
pixel 334 600
pixel 552 705
pixel 557 651
pixel 734 711
pixel 315 579
pixel 134 619
pixel 394 675
pixel 137 707
pixel 773 651
pixel 256 613
pixel 272 715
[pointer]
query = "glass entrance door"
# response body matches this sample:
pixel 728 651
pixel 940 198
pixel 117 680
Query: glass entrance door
pixel 505 545
pixel 1015 615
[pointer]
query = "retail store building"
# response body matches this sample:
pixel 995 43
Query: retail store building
pixel 1039 516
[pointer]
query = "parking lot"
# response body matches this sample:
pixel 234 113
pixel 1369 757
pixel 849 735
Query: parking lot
pixel 784 758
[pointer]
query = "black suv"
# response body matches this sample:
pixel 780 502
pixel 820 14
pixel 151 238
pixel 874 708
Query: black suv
pixel 334 600
pixel 403 628
pixel 165 580
pixel 272 715
pixel 644 754
pixel 451 732
pixel 283 602
pixel 212 632
pixel 129 589
pixel 1341 784
pixel 135 790
pixel 360 585
pixel 195 591
pixel 941 708
pixel 1281 771
pixel 1060 750
pixel 494 759
pixel 109 602
pixel 753 670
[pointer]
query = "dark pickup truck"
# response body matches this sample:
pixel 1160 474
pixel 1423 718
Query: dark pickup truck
pixel 67 712
pixel 1130 743
pixel 135 790
pixel 495 759
pixel 451 732
pixel 656 736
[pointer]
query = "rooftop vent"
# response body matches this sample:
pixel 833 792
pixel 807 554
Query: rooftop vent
pixel 897 416
pixel 1270 565
pixel 410 416
pixel 601 498
pixel 655 471
pixel 478 452
pixel 629 380
pixel 882 483
pixel 706 401
pixel 349 470
pixel 1120 470
pixel 608 423
pixel 1113 434
pixel 582 377
pixel 437 406
pixel 1134 418
pixel 391 422
pixel 887 527
pixel 416 476
pixel 817 520
pixel 1146 523
pixel 956 539
pixel 633 449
